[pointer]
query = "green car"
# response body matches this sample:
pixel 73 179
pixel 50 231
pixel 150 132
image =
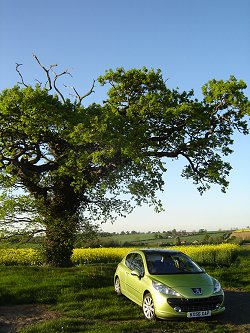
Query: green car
pixel 168 284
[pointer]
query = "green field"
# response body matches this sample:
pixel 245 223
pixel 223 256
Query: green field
pixel 134 240
pixel 156 238
pixel 81 299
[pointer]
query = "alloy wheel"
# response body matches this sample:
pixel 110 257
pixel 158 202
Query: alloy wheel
pixel 117 286
pixel 148 307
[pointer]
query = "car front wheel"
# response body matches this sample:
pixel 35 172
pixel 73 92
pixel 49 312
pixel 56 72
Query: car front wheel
pixel 148 307
pixel 117 286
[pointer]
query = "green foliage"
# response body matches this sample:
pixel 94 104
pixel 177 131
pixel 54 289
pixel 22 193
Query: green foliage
pixel 79 164
pixel 173 124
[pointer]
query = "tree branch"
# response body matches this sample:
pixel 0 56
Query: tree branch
pixel 91 90
pixel 28 235
pixel 52 83
pixel 19 73
pixel 78 96
pixel 45 69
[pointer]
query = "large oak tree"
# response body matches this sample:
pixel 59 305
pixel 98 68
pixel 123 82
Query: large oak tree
pixel 76 164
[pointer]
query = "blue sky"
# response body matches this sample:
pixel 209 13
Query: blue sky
pixel 192 41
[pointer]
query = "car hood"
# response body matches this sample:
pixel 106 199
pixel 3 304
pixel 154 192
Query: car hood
pixel 186 283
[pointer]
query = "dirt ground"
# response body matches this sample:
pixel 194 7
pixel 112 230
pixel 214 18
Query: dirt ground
pixel 13 318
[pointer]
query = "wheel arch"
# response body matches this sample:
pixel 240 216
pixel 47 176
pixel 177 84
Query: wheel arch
pixel 146 292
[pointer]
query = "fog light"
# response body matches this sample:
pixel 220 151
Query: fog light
pixel 177 309
pixel 217 306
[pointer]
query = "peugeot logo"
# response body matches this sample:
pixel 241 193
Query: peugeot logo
pixel 197 291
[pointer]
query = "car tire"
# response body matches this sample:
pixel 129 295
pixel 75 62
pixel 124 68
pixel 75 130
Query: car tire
pixel 148 307
pixel 117 286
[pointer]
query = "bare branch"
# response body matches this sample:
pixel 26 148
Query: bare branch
pixel 91 90
pixel 76 95
pixel 79 97
pixel 56 76
pixel 51 83
pixel 60 74
pixel 39 82
pixel 45 69
pixel 17 69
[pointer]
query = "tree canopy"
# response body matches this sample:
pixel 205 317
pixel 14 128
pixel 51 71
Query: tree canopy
pixel 77 164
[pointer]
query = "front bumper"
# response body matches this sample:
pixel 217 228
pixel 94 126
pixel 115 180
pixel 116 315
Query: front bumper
pixel 167 307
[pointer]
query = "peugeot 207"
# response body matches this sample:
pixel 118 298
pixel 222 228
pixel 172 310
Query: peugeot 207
pixel 168 284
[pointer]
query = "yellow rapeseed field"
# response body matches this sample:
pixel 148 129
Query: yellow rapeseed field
pixel 20 257
pixel 203 254
pixel 211 254
pixel 86 256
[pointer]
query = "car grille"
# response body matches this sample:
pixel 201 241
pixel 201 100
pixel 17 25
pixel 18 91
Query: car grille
pixel 195 304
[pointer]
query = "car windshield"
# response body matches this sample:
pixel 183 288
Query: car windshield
pixel 160 263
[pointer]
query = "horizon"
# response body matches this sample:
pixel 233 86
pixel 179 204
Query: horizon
pixel 177 231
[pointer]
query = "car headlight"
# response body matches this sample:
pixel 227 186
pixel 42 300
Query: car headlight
pixel 164 289
pixel 217 286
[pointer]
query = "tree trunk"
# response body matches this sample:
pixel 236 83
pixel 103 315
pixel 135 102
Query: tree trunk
pixel 59 242
pixel 61 225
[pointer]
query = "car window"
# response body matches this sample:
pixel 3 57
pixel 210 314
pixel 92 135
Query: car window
pixel 162 265
pixel 128 261
pixel 186 264
pixel 137 263
pixel 134 261
pixel 166 263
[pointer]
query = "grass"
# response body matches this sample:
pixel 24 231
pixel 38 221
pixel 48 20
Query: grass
pixel 128 326
pixel 237 276
pixel 86 302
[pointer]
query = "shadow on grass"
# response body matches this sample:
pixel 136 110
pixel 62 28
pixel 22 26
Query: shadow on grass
pixel 235 319
pixel 237 308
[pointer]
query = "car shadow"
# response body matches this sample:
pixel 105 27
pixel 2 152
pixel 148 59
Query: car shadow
pixel 237 305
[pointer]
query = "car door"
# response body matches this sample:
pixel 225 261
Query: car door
pixel 134 282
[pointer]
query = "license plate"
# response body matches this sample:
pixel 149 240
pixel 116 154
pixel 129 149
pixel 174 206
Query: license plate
pixel 199 314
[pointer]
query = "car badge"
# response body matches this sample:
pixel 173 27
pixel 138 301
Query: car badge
pixel 197 291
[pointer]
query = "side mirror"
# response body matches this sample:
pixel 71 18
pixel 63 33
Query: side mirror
pixel 135 272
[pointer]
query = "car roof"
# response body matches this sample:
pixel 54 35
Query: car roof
pixel 159 251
